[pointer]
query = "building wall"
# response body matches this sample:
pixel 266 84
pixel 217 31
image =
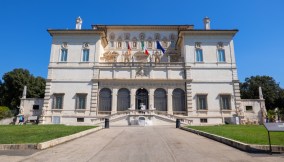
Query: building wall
pixel 209 77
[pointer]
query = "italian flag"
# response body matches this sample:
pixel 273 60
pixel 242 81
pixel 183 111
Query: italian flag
pixel 144 49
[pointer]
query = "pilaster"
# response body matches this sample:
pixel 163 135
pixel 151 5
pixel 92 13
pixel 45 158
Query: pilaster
pixel 170 101
pixel 132 98
pixel 114 101
pixel 46 101
pixel 189 98
pixel 151 98
pixel 94 98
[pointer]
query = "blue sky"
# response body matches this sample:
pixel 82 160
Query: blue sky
pixel 259 44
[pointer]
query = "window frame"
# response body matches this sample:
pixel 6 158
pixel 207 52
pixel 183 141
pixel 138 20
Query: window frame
pixel 63 56
pixel 83 55
pixel 203 120
pixel 198 97
pixel 223 98
pixel 55 101
pixel 247 109
pixel 223 55
pixel 78 101
pixel 111 44
pixel 197 55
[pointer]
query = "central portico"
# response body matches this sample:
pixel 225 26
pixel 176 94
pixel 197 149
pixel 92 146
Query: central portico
pixel 168 98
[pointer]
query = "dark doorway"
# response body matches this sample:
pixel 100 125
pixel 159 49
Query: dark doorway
pixel 141 98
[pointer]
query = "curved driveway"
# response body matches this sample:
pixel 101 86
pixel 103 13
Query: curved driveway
pixel 130 144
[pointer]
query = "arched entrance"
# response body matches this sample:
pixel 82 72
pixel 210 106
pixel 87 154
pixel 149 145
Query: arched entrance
pixel 141 99
pixel 123 99
pixel 105 100
pixel 178 100
pixel 160 99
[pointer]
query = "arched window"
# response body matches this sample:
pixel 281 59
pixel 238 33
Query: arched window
pixel 105 100
pixel 160 99
pixel 178 100
pixel 123 99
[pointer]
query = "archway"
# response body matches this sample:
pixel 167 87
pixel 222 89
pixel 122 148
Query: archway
pixel 160 99
pixel 105 100
pixel 142 98
pixel 123 99
pixel 178 100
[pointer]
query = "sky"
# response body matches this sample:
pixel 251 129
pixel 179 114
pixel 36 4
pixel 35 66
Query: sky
pixel 259 44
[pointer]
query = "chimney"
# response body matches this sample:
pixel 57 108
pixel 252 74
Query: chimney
pixel 79 23
pixel 206 22
pixel 24 92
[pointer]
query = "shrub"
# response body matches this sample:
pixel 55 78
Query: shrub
pixel 5 112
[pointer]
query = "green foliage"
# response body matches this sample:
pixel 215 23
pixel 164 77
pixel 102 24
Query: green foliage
pixel 272 92
pixel 251 134
pixel 16 134
pixel 13 84
pixel 271 115
pixel 5 112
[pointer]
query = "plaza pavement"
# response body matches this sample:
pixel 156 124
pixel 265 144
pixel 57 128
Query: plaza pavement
pixel 141 144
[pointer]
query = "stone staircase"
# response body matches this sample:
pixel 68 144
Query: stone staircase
pixel 132 113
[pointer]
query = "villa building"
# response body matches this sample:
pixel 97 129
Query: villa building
pixel 154 73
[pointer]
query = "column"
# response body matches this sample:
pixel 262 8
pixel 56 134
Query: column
pixel 170 101
pixel 132 98
pixel 114 101
pixel 151 98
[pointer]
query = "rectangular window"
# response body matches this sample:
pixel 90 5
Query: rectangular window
pixel 134 44
pixel 119 44
pixel 81 101
pixel 221 55
pixel 249 108
pixel 80 119
pixel 203 120
pixel 58 101
pixel 150 44
pixel 64 53
pixel 199 55
pixel 35 107
pixel 111 44
pixel 202 102
pixel 86 55
pixel 225 102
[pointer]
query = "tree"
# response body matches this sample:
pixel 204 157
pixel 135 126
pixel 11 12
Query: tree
pixel 272 92
pixel 13 85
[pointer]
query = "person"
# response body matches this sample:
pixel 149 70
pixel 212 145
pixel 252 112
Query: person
pixel 21 119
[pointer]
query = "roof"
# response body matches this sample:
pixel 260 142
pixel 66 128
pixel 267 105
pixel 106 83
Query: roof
pixel 165 27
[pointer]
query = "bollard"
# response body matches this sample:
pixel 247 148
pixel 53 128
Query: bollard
pixel 106 123
pixel 178 123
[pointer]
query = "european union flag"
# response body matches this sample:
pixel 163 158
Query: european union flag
pixel 160 47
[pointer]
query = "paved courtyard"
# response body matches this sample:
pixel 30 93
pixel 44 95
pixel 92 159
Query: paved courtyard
pixel 130 144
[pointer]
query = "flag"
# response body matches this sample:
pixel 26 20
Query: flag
pixel 160 47
pixel 144 48
pixel 128 46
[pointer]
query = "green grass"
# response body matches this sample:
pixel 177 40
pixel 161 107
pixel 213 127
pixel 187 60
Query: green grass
pixel 251 134
pixel 16 134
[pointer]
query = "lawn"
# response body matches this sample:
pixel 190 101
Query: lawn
pixel 251 134
pixel 16 134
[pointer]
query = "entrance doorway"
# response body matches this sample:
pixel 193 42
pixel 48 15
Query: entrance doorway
pixel 141 99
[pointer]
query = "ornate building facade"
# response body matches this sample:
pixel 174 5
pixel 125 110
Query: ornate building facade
pixel 144 72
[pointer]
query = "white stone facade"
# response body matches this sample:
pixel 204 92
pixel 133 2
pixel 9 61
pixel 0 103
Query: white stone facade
pixel 115 79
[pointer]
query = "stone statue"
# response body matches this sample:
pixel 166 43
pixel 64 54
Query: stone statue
pixel 157 56
pixel 140 71
pixel 127 56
